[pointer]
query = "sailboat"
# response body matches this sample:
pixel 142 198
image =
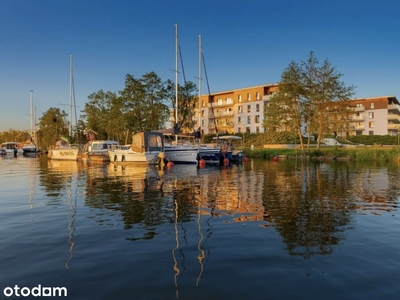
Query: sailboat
pixel 179 153
pixel 31 147
pixel 209 154
pixel 63 149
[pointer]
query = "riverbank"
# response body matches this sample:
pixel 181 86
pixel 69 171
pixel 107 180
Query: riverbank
pixel 331 153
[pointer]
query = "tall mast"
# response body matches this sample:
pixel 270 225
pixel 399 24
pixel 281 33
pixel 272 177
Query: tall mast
pixel 176 78
pixel 70 97
pixel 200 79
pixel 31 111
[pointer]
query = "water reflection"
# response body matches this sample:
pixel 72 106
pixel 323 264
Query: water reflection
pixel 310 204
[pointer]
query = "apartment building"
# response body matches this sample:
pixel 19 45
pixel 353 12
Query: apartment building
pixel 242 110
pixel 375 116
pixel 234 111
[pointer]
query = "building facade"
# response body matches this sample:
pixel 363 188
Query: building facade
pixel 375 116
pixel 234 111
pixel 243 110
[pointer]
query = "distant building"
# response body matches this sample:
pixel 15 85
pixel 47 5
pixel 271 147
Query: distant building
pixel 234 111
pixel 242 110
pixel 376 116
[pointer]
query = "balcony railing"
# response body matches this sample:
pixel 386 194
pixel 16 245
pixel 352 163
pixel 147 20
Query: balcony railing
pixel 394 118
pixel 222 114
pixel 359 108
pixel 395 107
pixel 221 103
pixel 358 119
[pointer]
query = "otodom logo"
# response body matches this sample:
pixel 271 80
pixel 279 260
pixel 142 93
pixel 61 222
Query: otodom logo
pixel 37 291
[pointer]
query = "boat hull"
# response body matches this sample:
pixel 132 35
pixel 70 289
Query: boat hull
pixel 63 154
pixel 181 154
pixel 128 156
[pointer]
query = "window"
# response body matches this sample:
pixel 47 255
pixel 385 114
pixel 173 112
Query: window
pixel 203 103
pixel 372 105
pixel 371 133
pixel 257 119
pixel 239 98
pixel 229 101
pixel 202 112
pixel 248 120
pixel 371 124
pixel 258 96
pixel 248 97
pixel 249 108
pixel 371 115
pixel 257 129
pixel 219 102
pixel 202 123
pixel 257 107
pixel 240 109
pixel 239 120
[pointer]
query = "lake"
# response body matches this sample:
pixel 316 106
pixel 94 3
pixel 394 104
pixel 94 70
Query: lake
pixel 259 230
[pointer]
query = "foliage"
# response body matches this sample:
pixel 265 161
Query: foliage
pixel 52 125
pixel 374 139
pixel 312 94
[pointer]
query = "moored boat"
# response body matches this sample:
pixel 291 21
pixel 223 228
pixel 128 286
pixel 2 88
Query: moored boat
pixel 146 148
pixel 10 148
pixel 96 150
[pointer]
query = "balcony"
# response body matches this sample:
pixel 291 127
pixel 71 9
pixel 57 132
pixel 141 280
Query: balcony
pixel 266 97
pixel 358 119
pixel 359 108
pixel 394 118
pixel 394 107
pixel 222 114
pixel 221 103
pixel 393 126
pixel 357 128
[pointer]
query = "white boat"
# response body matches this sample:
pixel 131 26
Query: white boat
pixel 173 152
pixel 31 148
pixel 96 150
pixel 10 148
pixel 64 150
pixel 146 148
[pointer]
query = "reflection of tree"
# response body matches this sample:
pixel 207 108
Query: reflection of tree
pixel 310 206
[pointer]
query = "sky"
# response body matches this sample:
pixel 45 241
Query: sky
pixel 245 43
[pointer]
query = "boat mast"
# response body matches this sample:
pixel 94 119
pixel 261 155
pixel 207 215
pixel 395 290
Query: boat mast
pixel 70 98
pixel 200 79
pixel 176 80
pixel 31 111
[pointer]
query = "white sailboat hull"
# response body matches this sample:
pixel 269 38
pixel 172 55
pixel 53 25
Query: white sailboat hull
pixel 64 154
pixel 181 154
pixel 121 155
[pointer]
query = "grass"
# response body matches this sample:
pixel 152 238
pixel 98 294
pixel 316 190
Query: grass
pixel 360 154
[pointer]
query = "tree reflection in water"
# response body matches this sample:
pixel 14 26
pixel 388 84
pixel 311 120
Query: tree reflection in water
pixel 309 203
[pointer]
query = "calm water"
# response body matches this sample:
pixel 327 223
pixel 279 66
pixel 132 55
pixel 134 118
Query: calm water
pixel 261 230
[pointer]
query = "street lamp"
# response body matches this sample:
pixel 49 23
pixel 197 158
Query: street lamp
pixel 243 136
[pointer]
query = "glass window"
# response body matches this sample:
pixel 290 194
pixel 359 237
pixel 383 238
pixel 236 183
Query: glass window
pixel 249 108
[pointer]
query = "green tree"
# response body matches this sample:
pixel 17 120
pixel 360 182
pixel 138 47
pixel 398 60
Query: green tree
pixel 52 125
pixel 310 96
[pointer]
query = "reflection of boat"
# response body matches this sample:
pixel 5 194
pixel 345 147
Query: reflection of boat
pixel 146 148
pixel 63 166
pixel 96 150
pixel 64 150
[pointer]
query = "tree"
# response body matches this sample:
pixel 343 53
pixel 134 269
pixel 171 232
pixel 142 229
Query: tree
pixel 310 96
pixel 52 125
